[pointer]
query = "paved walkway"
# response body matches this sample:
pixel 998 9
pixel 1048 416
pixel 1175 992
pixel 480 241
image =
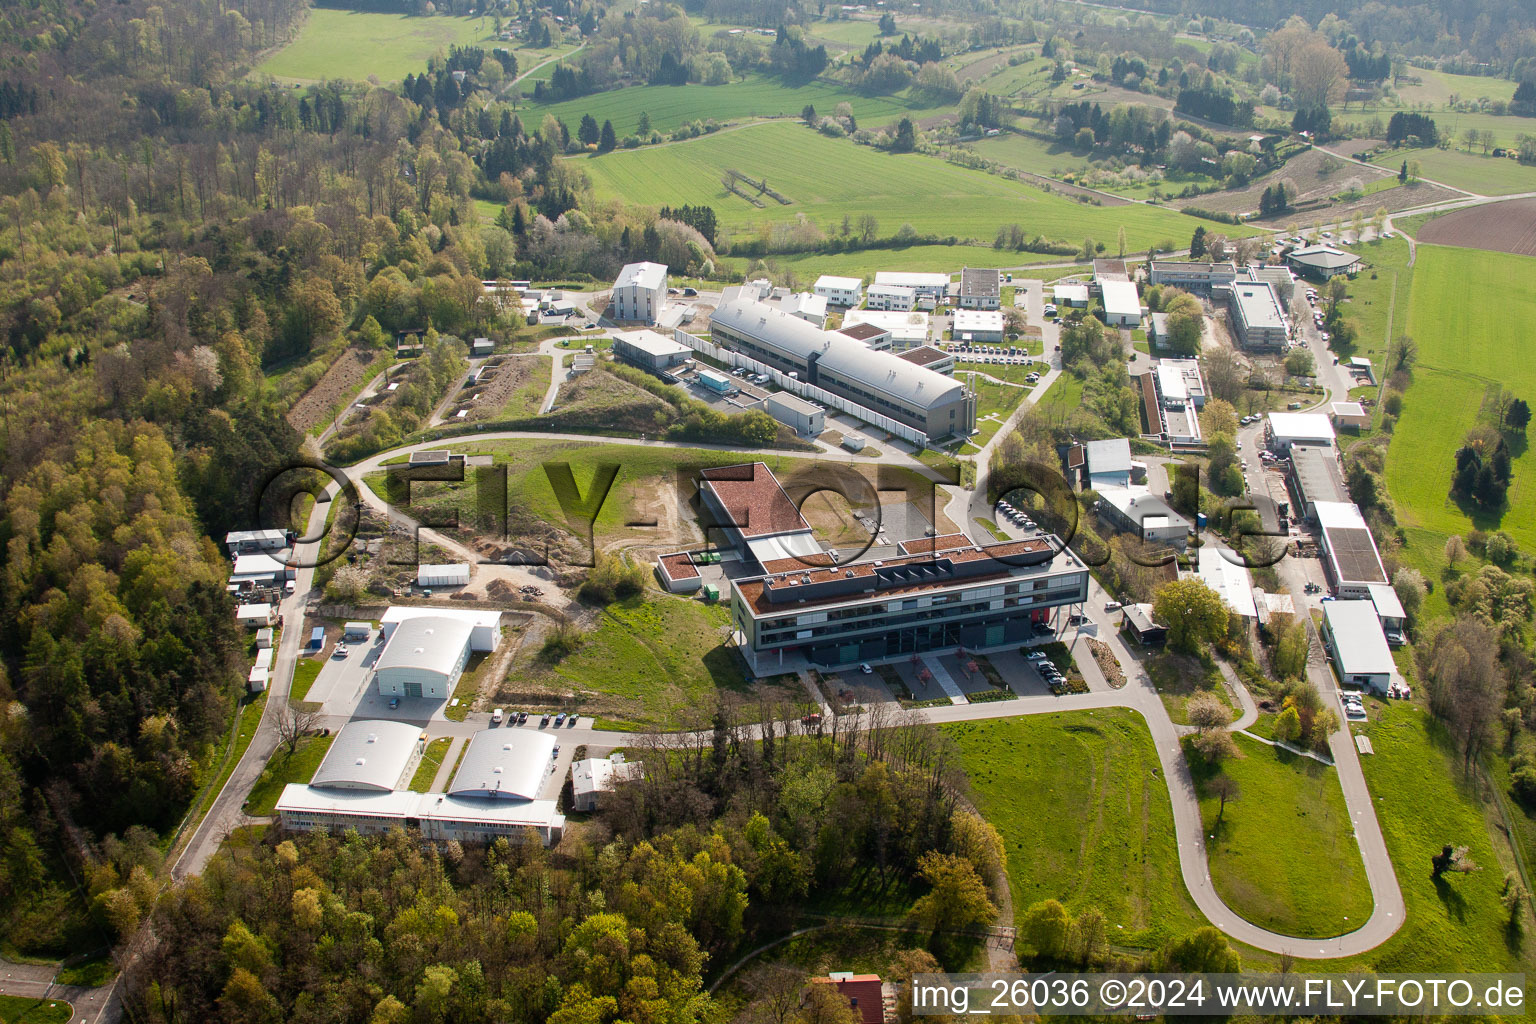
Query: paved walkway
pixel 445 770
pixel 944 679
pixel 35 981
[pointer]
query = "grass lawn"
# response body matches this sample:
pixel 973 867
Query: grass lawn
pixel 1178 678
pixel 91 973
pixel 467 690
pixel 917 258
pixel 1378 299
pixel 1065 391
pixel 1080 800
pixel 1451 123
pixel 671 106
pixel 650 662
pixel 1439 86
pixel 1464 345
pixel 25 1010
pixel 1284 855
pixel 1423 802
pixel 304 674
pixel 431 761
pixel 1486 175
pixel 356 44
pixel 298 767
pixel 827 179
pixel 994 404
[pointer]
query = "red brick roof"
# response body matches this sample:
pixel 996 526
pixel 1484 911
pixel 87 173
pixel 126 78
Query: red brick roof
pixel 923 355
pixel 863 991
pixel 752 498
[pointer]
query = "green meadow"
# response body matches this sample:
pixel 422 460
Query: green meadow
pixel 357 44
pixel 1473 172
pixel 1469 314
pixel 827 179
pixel 669 106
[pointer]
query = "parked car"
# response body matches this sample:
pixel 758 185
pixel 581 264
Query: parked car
pixel 394 702
pixel 496 716
pixel 1111 606
pixel 556 752
pixel 864 668
pixel 559 719
pixel 690 292
pixel 522 716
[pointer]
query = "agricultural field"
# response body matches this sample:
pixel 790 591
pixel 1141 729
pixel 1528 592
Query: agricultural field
pixel 1282 854
pixel 827 179
pixel 1472 172
pixel 1501 227
pixel 321 404
pixel 755 96
pixel 1463 348
pixel 1437 88
pixel 357 44
pixel 1083 809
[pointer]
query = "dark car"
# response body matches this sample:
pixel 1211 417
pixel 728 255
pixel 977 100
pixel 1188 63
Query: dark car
pixel 394 702
pixel 690 291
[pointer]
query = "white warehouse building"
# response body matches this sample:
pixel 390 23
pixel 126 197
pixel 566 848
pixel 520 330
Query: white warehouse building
pixel 368 754
pixel 840 291
pixel 640 292
pixel 426 649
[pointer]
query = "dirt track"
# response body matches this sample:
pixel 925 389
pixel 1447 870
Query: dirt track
pixel 1501 227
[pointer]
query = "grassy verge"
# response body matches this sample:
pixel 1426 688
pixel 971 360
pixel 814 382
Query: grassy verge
pixel 431 761
pixel 1178 678
pixel 304 674
pixel 1081 803
pixel 25 1010
pixel 283 768
pixel 91 973
pixel 1283 854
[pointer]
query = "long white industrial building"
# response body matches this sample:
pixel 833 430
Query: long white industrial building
pixel 918 397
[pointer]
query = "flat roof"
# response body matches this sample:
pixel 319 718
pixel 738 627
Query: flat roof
pixel 651 343
pixel 1301 426
pixel 257 563
pixel 1258 305
pixel 899 291
pixel 504 764
pixel 1317 474
pixel 975 281
pixel 1073 292
pixel 679 566
pixel 754 592
pixel 644 275
pixel 972 320
pixel 924 355
pixel 833 282
pixel 864 331
pixel 256 536
pixel 1109 456
pixel 1142 506
pixel 1192 267
pixel 1387 603
pixel 804 302
pixel 919 281
pixel 1220 570
pixel 368 754
pixel 1348 409
pixel 1359 644
pixel 1349 544
pixel 790 400
pixel 753 500
pixel 599 774
pixel 901 324
pixel 1171 382
pixel 1120 298
pixel 432 643
pixel 472 616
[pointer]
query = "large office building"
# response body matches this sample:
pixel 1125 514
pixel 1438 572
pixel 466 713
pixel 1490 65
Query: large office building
pixel 1122 305
pixel 980 289
pixel 937 594
pixel 1258 318
pixel 640 292
pixel 901 328
pixel 755 515
pixel 977 325
pixel 493 795
pixel 1350 559
pixel 1199 278
pixel 917 397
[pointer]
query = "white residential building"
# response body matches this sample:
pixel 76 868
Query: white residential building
pixel 846 292
pixel 933 286
pixel 640 292
pixel 1122 305
pixel 889 297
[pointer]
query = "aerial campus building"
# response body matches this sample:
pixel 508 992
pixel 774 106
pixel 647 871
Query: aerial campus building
pixel 640 292
pixel 1258 316
pixel 797 603
pixel 494 794
pixel 910 394
pixel 426 649
pixel 937 594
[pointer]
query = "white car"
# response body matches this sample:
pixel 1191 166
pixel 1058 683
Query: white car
pixel 864 668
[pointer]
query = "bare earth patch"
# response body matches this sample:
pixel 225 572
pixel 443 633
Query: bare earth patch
pixel 1500 227
pixel 318 404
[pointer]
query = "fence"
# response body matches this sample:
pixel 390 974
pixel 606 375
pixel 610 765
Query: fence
pixel 796 386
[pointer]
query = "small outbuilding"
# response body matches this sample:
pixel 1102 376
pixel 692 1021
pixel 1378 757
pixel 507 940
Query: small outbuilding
pixel 450 574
